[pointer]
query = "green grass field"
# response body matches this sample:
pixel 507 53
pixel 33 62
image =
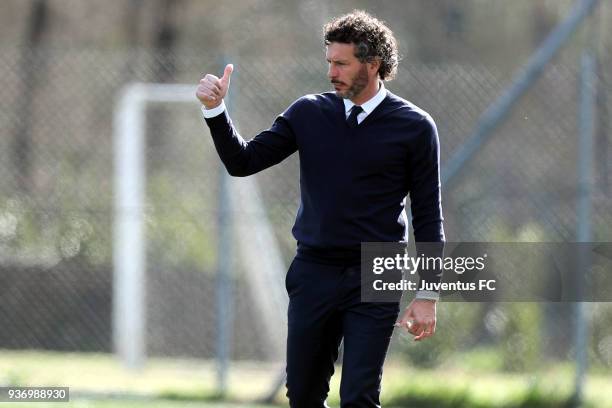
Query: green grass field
pixel 468 380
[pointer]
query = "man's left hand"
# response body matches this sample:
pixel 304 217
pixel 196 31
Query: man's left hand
pixel 419 318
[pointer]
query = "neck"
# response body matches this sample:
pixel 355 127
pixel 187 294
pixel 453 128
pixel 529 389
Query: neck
pixel 367 93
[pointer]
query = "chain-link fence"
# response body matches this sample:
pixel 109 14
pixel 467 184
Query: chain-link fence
pixel 56 198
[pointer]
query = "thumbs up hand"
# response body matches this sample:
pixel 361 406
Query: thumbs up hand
pixel 212 89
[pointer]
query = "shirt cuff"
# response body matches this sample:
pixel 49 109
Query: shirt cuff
pixel 427 294
pixel 211 113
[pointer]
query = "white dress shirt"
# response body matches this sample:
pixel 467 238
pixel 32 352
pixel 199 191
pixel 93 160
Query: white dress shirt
pixel 367 106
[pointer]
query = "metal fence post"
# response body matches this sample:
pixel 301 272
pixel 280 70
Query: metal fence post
pixel 586 136
pixel 224 275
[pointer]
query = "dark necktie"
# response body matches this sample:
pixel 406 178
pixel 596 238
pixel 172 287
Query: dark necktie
pixel 352 119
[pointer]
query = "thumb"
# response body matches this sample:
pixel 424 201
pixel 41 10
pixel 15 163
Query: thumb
pixel 227 73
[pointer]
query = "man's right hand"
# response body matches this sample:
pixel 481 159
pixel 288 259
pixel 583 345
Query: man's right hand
pixel 212 89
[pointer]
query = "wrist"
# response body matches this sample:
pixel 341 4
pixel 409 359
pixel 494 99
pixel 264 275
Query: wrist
pixel 213 106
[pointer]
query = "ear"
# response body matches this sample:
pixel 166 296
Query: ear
pixel 374 65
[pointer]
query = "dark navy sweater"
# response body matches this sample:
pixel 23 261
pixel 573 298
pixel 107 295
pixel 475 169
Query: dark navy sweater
pixel 353 180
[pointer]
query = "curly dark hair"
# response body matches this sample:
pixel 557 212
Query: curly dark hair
pixel 372 39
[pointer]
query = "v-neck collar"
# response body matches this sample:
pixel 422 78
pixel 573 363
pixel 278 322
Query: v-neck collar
pixel 341 113
pixel 369 105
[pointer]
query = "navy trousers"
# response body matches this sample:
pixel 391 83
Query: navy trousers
pixel 324 309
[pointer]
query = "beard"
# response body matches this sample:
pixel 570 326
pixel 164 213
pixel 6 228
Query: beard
pixel 358 84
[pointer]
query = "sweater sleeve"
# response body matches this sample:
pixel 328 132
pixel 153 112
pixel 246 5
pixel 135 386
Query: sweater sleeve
pixel 425 194
pixel 243 158
pixel 425 197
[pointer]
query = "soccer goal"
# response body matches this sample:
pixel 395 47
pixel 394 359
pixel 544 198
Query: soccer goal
pixel 253 244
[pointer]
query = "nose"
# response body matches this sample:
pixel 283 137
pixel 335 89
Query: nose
pixel 331 72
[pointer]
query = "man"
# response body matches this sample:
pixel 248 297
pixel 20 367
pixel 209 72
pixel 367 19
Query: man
pixel 362 150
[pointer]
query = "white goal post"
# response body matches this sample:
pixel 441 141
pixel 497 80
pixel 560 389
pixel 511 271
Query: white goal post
pixel 129 251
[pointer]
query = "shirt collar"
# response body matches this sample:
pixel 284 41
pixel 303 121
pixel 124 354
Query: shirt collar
pixel 371 104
